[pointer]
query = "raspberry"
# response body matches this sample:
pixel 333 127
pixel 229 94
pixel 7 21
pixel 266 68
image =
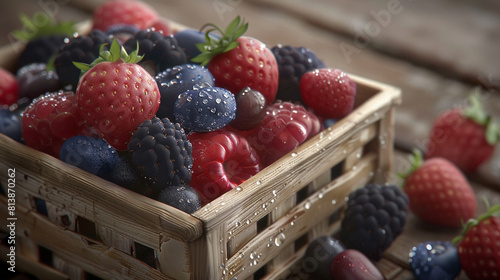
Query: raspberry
pixel 284 127
pixel 161 153
pixel 222 161
pixel 374 217
pixel 50 120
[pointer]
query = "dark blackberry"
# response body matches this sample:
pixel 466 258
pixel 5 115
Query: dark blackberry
pixel 293 62
pixel 80 48
pixel 161 153
pixel 40 50
pixel 374 217
pixel 161 51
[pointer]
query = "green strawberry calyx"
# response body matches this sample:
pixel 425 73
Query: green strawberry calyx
pixel 416 160
pixel 114 54
pixel 226 42
pixel 476 113
pixel 42 25
pixel 474 222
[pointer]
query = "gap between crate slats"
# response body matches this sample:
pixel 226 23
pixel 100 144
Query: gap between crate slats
pixel 96 258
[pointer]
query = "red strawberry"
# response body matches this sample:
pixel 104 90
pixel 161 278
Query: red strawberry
pixel 465 136
pixel 9 88
pixel 353 265
pixel 123 12
pixel 438 192
pixel 479 246
pixel 49 120
pixel 115 95
pixel 283 128
pixel 238 62
pixel 330 93
pixel 221 161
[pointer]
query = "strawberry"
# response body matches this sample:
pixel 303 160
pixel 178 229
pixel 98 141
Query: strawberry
pixel 9 88
pixel 465 136
pixel 115 95
pixel 330 93
pixel 123 12
pixel 438 192
pixel 478 246
pixel 237 62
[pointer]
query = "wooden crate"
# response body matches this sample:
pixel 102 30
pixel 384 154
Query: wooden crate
pixel 257 231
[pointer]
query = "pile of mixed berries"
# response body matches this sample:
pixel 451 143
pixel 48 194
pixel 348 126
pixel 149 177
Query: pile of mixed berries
pixel 186 116
pixel 191 113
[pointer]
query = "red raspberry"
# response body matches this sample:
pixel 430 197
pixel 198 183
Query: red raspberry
pixel 50 120
pixel 221 161
pixel 284 127
pixel 330 93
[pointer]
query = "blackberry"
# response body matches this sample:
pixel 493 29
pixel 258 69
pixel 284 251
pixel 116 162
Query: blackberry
pixel 374 217
pixel 161 153
pixel 41 50
pixel 79 48
pixel 293 62
pixel 161 51
pixel 184 198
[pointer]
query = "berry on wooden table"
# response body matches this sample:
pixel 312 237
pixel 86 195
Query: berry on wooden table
pixel 439 193
pixel 479 246
pixel 374 217
pixel 435 260
pixel 465 136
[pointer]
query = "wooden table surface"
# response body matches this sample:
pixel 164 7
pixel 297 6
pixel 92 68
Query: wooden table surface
pixel 437 52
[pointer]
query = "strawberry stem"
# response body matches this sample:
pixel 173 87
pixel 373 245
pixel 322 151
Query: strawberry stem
pixel 44 26
pixel 225 43
pixel 476 113
pixel 115 53
pixel 473 222
pixel 416 160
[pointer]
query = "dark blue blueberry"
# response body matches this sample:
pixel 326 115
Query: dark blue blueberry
pixel 205 109
pixel 10 124
pixel 184 198
pixel 90 154
pixel 329 122
pixel 177 80
pixel 319 256
pixel 187 40
pixel 435 260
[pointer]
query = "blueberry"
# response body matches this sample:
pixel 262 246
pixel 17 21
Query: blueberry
pixel 187 40
pixel 435 260
pixel 205 109
pixel 319 256
pixel 10 124
pixel 90 154
pixel 184 198
pixel 35 80
pixel 177 80
pixel 329 122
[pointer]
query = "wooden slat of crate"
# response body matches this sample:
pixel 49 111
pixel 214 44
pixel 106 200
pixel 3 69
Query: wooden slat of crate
pixel 92 257
pixel 28 265
pixel 96 199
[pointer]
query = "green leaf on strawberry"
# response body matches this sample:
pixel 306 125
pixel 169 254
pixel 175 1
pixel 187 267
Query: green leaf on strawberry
pixel 115 53
pixel 474 222
pixel 476 113
pixel 41 25
pixel 225 43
